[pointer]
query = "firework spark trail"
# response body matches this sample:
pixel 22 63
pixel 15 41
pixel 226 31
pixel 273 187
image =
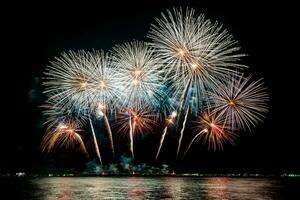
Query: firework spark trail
pixel 100 111
pixel 182 100
pixel 193 140
pixel 131 132
pixel 95 142
pixel 161 142
pixel 181 132
pixel 110 138
pixel 183 97
pixel 170 120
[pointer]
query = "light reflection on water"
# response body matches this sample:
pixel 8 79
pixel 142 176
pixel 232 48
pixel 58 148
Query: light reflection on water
pixel 65 188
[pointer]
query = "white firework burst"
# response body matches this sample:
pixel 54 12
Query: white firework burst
pixel 106 85
pixel 69 80
pixel 242 101
pixel 83 80
pixel 139 73
pixel 195 51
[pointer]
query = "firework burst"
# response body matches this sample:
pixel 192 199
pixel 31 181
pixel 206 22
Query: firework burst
pixel 241 101
pixel 195 51
pixel 69 79
pixel 213 131
pixel 64 135
pixel 140 75
pixel 105 83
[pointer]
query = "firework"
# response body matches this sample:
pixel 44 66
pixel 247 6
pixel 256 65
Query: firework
pixel 169 121
pixel 241 101
pixel 81 82
pixel 69 79
pixel 213 131
pixel 140 75
pixel 107 89
pixel 58 116
pixel 196 53
pixel 69 86
pixel 191 65
pixel 64 135
pixel 105 83
pixel 135 122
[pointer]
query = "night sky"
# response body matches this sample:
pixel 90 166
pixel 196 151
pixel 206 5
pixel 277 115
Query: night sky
pixel 34 34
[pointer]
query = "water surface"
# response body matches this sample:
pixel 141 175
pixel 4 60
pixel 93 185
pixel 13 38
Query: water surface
pixel 149 188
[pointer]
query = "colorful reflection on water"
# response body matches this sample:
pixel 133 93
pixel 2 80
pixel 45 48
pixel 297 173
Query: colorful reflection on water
pixel 223 188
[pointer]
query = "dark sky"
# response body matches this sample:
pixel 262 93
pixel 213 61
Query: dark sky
pixel 34 34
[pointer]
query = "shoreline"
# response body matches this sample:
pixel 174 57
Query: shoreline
pixel 194 175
